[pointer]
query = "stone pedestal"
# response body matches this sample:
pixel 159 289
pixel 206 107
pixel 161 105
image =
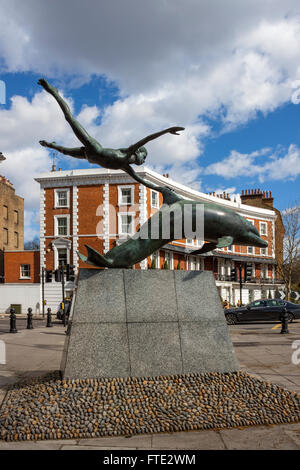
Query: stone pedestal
pixel 146 323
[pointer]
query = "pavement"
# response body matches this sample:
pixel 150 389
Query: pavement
pixel 261 351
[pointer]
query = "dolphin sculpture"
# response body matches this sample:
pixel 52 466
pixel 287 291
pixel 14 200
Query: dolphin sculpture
pixel 222 227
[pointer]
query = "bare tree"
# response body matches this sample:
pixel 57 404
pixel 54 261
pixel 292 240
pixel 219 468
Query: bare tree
pixel 291 247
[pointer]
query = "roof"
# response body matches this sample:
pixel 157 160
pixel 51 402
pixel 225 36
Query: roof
pixel 84 176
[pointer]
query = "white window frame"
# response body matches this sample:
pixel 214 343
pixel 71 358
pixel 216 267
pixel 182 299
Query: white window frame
pixel 120 214
pixel 260 226
pixel 67 253
pixel 58 190
pixel 61 216
pixel 251 248
pixel 120 203
pixel 250 220
pixel 21 275
pixel 262 253
pixel 157 199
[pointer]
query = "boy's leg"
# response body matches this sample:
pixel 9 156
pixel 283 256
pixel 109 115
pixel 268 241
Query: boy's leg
pixel 78 130
pixel 77 152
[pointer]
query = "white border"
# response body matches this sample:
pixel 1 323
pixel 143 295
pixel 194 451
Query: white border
pixel 121 234
pixel 58 190
pixel 25 277
pixel 61 216
pixel 126 204
pixel 260 225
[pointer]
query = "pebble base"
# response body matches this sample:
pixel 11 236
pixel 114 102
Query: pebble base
pixel 50 408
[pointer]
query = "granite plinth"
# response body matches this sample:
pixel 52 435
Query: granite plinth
pixel 146 323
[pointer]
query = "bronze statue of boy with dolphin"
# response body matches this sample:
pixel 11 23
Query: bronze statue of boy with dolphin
pixel 222 226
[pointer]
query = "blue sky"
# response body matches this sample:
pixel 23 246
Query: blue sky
pixel 226 71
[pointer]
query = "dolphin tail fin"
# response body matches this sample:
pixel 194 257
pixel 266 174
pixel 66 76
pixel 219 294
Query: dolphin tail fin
pixel 205 249
pixel 95 258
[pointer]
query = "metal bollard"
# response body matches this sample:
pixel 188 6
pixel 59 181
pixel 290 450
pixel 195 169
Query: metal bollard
pixel 49 324
pixel 13 328
pixel 284 317
pixel 29 319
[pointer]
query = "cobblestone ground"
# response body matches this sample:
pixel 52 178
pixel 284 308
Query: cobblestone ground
pixel 58 409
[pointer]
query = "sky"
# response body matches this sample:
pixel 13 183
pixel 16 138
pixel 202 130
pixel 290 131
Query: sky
pixel 228 71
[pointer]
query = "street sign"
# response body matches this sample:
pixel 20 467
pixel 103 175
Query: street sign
pixel 279 294
pixel 295 295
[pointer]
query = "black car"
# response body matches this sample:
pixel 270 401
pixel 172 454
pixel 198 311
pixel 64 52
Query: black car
pixel 266 310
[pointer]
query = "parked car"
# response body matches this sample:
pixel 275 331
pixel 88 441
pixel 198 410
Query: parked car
pixel 59 314
pixel 262 310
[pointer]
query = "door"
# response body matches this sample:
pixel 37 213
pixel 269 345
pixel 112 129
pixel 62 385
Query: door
pixel 273 309
pixel 255 311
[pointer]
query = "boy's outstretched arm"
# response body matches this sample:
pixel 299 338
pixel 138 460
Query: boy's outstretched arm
pixel 130 171
pixel 140 143
pixel 77 152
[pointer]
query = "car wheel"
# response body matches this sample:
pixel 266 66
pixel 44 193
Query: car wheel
pixel 231 319
pixel 291 317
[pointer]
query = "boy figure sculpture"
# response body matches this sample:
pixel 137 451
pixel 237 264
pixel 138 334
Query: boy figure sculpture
pixel 92 151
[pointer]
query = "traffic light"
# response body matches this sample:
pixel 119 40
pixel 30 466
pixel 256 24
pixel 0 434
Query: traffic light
pixel 48 276
pixel 248 272
pixel 233 274
pixel 70 273
pixel 57 275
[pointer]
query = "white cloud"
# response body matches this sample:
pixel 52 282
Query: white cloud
pixel 271 166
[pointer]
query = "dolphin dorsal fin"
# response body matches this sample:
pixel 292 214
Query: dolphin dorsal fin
pixel 224 241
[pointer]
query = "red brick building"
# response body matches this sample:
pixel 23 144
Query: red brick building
pixel 22 267
pixel 102 208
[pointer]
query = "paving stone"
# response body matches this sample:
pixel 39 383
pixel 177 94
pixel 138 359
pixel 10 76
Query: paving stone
pixel 98 350
pixel 154 349
pixel 134 441
pixel 150 304
pixel 42 445
pixel 78 447
pixel 258 438
pixel 100 296
pixel 208 440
